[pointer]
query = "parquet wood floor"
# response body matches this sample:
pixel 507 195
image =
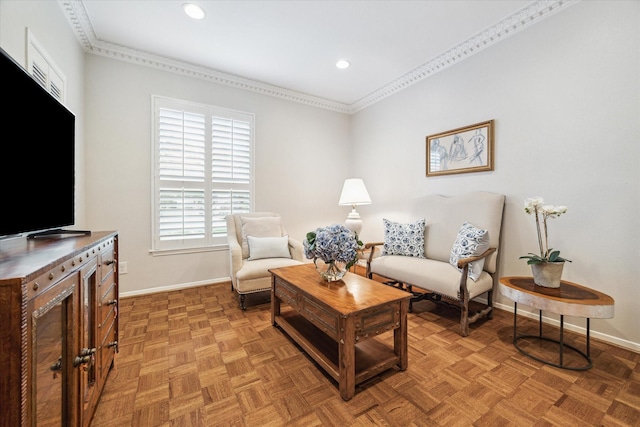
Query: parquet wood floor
pixel 193 358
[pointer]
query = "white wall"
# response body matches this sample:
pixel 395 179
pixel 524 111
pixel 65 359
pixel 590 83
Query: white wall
pixel 565 97
pixel 300 154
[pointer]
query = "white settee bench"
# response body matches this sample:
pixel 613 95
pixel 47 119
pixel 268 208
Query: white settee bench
pixel 450 252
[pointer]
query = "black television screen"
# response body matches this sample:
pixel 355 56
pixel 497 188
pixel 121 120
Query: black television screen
pixel 37 171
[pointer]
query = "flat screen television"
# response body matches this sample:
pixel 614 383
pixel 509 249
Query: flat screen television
pixel 37 170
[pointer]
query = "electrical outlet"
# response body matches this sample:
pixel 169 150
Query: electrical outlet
pixel 122 267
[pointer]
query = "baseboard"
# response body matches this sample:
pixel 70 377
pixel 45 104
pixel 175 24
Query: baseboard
pixel 176 287
pixel 629 345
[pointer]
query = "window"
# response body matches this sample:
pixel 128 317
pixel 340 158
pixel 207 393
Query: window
pixel 203 171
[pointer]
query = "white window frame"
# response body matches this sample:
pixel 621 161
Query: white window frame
pixel 162 243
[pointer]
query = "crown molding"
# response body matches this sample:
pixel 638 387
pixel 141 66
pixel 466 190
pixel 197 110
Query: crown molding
pixel 81 25
pixel 518 21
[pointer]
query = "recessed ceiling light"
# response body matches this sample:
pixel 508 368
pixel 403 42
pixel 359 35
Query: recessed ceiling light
pixel 342 64
pixel 194 11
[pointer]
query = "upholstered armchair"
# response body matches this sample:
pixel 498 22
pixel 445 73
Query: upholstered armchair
pixel 258 242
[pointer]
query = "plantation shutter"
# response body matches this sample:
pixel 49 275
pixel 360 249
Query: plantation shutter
pixel 203 172
pixel 230 169
pixel 181 162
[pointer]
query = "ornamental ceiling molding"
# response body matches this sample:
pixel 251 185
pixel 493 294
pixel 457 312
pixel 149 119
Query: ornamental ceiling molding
pixel 518 21
pixel 524 18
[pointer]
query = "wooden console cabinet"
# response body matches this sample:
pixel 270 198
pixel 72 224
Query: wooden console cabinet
pixel 58 327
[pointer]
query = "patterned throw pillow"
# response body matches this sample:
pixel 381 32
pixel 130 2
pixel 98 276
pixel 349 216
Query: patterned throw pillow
pixel 471 241
pixel 404 239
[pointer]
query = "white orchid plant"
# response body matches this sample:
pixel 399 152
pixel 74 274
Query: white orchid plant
pixel 536 206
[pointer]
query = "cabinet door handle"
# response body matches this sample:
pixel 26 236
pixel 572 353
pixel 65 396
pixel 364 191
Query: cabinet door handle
pixel 112 302
pixel 57 366
pixel 113 344
pixel 86 356
pixel 87 351
pixel 109 262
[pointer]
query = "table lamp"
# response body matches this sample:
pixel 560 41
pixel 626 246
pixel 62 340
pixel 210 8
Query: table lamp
pixel 354 193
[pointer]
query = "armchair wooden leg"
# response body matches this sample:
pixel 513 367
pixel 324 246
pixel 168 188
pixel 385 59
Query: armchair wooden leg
pixel 242 304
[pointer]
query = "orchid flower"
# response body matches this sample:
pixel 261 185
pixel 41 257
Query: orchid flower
pixel 535 206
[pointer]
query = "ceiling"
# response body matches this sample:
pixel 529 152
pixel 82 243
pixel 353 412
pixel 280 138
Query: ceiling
pixel 289 48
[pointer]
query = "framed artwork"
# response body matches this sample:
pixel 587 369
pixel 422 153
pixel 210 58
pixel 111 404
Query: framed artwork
pixel 462 150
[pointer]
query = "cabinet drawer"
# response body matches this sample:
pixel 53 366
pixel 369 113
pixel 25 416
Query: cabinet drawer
pixel 286 293
pixel 108 304
pixel 318 314
pixel 108 348
pixel 321 316
pixel 107 263
pixel 375 322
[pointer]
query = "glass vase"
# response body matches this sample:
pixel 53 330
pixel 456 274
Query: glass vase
pixel 331 271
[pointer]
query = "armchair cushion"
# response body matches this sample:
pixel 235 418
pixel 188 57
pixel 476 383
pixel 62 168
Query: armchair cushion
pixel 267 226
pixel 268 247
pixel 470 241
pixel 404 239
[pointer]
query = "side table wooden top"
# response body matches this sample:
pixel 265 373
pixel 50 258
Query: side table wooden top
pixel 569 299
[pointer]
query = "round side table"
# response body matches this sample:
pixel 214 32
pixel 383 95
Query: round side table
pixel 569 299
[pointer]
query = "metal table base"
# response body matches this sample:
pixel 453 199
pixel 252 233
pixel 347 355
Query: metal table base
pixel 560 342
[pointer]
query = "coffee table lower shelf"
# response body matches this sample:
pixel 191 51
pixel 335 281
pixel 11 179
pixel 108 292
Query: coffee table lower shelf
pixel 371 356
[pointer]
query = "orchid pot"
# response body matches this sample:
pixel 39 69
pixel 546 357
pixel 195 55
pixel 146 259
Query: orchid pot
pixel 547 274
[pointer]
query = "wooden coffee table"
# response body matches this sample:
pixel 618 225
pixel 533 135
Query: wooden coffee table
pixel 336 322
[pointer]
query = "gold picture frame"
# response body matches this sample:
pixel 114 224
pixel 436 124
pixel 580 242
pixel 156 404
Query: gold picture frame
pixel 462 150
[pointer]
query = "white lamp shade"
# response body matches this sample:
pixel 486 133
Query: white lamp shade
pixel 354 193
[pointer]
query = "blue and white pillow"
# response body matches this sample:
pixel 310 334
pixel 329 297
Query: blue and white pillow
pixel 404 239
pixel 471 241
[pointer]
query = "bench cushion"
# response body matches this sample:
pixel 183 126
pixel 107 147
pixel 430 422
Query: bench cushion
pixel 437 276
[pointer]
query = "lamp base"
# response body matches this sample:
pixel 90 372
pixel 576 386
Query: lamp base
pixel 353 222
